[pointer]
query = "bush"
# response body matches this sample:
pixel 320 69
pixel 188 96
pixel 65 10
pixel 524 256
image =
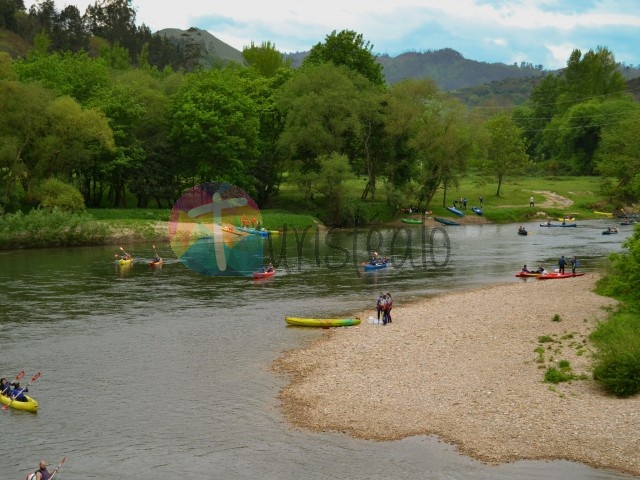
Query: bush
pixel 54 193
pixel 617 366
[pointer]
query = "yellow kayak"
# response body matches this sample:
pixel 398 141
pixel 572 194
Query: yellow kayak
pixel 606 214
pixel 122 262
pixel 322 322
pixel 31 405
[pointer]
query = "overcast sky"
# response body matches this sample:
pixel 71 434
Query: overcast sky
pixel 540 32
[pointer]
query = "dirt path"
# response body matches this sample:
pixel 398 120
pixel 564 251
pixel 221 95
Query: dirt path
pixel 553 200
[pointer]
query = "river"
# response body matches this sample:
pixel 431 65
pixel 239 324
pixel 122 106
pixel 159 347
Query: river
pixel 165 373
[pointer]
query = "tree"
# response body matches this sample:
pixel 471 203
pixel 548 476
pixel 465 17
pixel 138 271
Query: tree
pixel 574 136
pixel 506 150
pixel 214 129
pixel 322 105
pixel 594 75
pixel 334 172
pixel 266 59
pixel 347 48
pixel 430 141
pixel 618 155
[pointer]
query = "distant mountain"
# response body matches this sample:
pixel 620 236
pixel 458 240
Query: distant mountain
pixel 450 70
pixel 211 50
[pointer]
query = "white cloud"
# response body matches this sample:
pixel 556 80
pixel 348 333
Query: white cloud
pixel 538 29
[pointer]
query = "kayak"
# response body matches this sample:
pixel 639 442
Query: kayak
pixel 122 262
pixel 377 266
pixel 558 225
pixel 258 275
pixel 455 211
pixel 478 211
pixel 445 221
pixel 527 274
pixel 606 214
pixel 609 232
pixel 31 405
pixel 523 232
pixel 156 264
pixel 567 219
pixel 253 231
pixel 322 322
pixel 549 276
pixel 411 220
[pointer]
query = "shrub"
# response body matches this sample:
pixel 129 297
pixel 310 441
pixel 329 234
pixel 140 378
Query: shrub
pixel 556 318
pixel 545 339
pixel 617 366
pixel 54 193
pixel 554 375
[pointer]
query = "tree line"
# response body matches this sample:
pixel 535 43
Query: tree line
pixel 109 118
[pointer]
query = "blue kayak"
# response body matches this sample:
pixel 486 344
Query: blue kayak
pixel 377 266
pixel 478 211
pixel 455 211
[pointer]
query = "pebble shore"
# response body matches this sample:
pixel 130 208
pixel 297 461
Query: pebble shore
pixel 463 366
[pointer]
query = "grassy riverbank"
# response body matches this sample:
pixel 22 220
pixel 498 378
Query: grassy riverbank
pixel 554 197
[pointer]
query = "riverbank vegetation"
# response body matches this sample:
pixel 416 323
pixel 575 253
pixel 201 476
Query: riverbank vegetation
pixel 617 365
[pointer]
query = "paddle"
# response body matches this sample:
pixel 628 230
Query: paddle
pixel 20 375
pixel 58 467
pixel 35 377
pixel 126 254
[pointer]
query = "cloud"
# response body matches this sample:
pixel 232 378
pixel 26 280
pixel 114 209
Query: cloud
pixel 533 31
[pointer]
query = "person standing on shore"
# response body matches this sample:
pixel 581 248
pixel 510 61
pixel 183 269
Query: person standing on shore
pixel 480 198
pixel 389 306
pixel 380 306
pixel 574 264
pixel 531 202
pixel 561 264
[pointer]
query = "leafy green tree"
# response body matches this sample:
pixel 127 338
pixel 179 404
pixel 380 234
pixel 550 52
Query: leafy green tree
pixel 574 135
pixel 431 143
pixel 214 129
pixel 324 107
pixel 265 58
pixel 22 123
pixel 594 75
pixel 506 149
pixel 618 155
pixel 335 171
pixel 347 48
pixel 74 74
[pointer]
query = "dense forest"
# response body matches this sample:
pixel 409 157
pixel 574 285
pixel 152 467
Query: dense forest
pixel 97 109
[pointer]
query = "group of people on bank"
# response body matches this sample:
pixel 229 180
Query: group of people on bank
pixel 384 304
pixel 562 263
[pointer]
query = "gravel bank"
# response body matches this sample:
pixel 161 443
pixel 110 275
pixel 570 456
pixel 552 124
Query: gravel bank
pixel 462 366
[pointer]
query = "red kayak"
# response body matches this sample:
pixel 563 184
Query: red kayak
pixel 257 275
pixel 559 275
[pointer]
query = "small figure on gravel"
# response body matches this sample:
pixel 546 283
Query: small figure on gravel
pixel 561 264
pixel 380 306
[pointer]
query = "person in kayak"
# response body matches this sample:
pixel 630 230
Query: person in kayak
pixel 525 270
pixel 5 387
pixel 18 393
pixel 42 473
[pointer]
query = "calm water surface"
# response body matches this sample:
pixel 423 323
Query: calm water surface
pixel 164 374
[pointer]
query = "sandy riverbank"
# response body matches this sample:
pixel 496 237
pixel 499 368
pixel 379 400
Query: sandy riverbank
pixel 462 366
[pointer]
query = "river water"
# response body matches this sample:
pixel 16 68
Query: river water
pixel 164 374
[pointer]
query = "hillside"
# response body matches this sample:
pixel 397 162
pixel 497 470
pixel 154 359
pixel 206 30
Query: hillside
pixel 212 50
pixel 450 70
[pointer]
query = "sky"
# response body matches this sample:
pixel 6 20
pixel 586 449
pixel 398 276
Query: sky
pixel 539 32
